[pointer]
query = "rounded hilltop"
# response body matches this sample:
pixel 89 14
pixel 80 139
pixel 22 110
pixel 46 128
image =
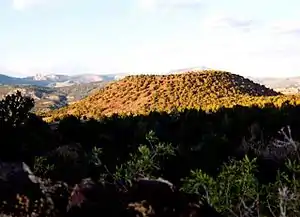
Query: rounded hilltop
pixel 140 94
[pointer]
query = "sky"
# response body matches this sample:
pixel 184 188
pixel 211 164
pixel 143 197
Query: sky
pixel 249 37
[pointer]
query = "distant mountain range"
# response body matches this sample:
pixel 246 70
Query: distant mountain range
pixel 176 71
pixel 288 85
pixel 56 80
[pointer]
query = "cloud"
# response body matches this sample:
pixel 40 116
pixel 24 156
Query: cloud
pixel 159 4
pixel 262 45
pixel 235 23
pixel 146 4
pixel 180 3
pixel 287 27
pixel 21 5
pixel 229 22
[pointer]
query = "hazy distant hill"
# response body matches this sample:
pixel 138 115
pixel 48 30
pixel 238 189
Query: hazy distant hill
pixel 178 71
pixel 56 80
pixel 289 85
pixel 140 94
pixel 47 98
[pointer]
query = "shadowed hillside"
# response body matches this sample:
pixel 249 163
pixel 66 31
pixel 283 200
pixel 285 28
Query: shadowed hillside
pixel 143 93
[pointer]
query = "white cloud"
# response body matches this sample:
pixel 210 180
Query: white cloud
pixel 146 4
pixel 24 4
pixel 243 45
pixel 21 5
pixel 154 4
pixel 287 27
pixel 222 20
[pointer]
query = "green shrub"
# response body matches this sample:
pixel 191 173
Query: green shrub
pixel 234 189
pixel 143 163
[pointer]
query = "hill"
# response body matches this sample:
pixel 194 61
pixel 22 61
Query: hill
pixel 48 98
pixel 141 94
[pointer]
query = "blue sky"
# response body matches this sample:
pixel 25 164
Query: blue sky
pixel 255 37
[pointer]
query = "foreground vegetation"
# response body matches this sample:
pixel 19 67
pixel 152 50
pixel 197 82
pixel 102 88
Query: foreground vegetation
pixel 241 161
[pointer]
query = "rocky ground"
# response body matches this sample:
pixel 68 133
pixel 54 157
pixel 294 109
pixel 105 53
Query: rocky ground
pixel 24 194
